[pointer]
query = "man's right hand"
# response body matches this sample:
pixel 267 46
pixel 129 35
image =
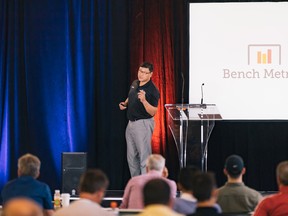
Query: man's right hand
pixel 122 106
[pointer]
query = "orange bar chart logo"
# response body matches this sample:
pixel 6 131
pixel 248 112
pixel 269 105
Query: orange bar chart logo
pixel 264 54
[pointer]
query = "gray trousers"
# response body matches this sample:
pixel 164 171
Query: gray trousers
pixel 138 138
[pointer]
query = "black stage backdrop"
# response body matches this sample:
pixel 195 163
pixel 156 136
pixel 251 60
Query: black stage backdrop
pixel 65 66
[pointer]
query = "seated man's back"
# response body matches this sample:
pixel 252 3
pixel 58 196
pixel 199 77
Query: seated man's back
pixel 133 192
pixel 204 190
pixel 92 187
pixel 186 203
pixel 276 204
pixel 234 196
pixel 132 197
pixel 27 185
pixel 83 207
pixel 184 206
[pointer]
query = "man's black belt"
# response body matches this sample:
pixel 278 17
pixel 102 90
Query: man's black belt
pixel 133 120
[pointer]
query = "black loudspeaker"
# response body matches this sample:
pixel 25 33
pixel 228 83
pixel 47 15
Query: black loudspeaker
pixel 74 164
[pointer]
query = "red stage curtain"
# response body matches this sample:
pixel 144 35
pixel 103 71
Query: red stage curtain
pixel 152 40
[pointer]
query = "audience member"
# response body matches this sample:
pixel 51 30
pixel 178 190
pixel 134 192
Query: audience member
pixel 276 204
pixel 204 190
pixel 22 207
pixel 132 197
pixel 92 187
pixel 186 203
pixel 26 184
pixel 157 199
pixel 234 196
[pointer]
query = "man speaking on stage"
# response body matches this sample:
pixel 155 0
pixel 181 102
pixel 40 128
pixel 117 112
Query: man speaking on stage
pixel 141 104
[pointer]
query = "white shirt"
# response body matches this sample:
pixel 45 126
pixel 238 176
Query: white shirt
pixel 83 207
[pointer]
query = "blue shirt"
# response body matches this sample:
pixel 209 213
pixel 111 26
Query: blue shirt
pixel 187 207
pixel 27 186
pixel 184 206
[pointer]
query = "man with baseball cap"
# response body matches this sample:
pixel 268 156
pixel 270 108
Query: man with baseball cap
pixel 234 196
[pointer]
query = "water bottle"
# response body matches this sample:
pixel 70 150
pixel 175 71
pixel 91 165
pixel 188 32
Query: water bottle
pixel 57 199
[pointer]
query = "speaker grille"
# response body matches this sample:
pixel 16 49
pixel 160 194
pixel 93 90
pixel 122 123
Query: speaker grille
pixel 74 164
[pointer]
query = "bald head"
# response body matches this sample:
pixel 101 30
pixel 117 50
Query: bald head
pixel 22 207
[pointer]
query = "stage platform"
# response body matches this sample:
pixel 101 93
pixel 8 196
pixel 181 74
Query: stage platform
pixel 116 195
pixel 112 196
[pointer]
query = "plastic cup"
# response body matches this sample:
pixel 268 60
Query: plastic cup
pixel 65 199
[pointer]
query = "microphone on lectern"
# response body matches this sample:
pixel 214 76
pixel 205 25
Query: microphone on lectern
pixel 202 105
pixel 202 93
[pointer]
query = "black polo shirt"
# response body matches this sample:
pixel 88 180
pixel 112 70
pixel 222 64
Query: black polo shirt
pixel 136 109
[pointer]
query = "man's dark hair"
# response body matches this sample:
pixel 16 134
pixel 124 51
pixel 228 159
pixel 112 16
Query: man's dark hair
pixel 156 191
pixel 147 65
pixel 93 180
pixel 282 172
pixel 186 176
pixel 204 184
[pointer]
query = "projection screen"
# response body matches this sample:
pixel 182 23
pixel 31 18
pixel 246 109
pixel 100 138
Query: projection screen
pixel 240 52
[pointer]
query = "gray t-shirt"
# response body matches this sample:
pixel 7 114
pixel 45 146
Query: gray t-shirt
pixel 237 198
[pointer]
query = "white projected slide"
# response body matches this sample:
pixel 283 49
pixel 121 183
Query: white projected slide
pixel 240 52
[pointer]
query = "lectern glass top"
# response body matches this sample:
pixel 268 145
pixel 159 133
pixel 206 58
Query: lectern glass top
pixel 193 111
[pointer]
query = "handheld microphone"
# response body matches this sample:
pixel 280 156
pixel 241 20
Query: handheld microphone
pixel 202 93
